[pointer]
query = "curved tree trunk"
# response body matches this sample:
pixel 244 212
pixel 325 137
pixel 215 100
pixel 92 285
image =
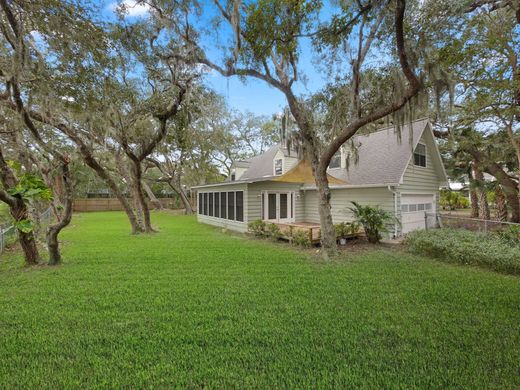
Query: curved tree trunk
pixel 18 210
pixel 64 219
pixel 182 195
pixel 153 199
pixel 185 202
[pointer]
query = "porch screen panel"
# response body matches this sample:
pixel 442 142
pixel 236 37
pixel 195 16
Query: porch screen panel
pixel 283 206
pixel 223 204
pixel 199 206
pixel 231 205
pixel 217 204
pixel 271 206
pixel 205 203
pixel 210 211
pixel 240 205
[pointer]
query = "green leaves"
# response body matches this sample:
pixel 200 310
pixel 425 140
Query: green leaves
pixel 373 219
pixel 24 225
pixel 31 187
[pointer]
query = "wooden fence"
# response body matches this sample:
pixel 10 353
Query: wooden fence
pixel 113 204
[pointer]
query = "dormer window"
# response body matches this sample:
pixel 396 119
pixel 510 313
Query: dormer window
pixel 233 176
pixel 335 161
pixel 419 155
pixel 278 166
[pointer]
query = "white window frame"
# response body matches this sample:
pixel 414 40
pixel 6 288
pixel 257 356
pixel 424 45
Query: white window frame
pixel 425 156
pixel 291 213
pixel 274 167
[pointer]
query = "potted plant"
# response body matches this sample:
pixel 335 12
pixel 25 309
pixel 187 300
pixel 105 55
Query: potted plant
pixel 342 229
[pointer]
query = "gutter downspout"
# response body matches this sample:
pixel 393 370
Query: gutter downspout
pixel 395 208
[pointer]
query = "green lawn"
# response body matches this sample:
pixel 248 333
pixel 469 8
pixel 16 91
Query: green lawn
pixel 194 307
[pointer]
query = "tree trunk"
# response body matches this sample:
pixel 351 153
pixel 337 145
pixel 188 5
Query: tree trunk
pixel 185 201
pixel 29 248
pixel 501 209
pixel 474 203
pixel 64 219
pixel 138 182
pixel 27 240
pixel 100 171
pixel 328 233
pixel 510 188
pixel 153 199
pixel 182 195
pixel 483 210
pixel 18 210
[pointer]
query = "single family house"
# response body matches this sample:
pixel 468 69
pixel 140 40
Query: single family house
pixel 402 175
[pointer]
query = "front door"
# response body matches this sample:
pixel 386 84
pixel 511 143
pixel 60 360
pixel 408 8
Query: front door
pixel 279 206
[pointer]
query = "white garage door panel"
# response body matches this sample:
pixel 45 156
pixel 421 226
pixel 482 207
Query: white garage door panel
pixel 413 208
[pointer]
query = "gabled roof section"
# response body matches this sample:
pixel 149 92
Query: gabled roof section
pixel 261 166
pixel 302 173
pixel 383 157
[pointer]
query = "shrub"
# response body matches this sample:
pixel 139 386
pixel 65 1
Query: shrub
pixel 257 228
pixel 452 200
pixel 354 227
pixel 510 235
pixel 373 220
pixel 273 231
pixel 342 229
pixel 301 238
pixel 465 247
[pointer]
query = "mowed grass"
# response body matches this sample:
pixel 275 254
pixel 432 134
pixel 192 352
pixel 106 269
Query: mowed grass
pixel 194 307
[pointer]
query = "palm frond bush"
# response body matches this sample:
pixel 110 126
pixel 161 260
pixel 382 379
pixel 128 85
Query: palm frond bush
pixel 373 219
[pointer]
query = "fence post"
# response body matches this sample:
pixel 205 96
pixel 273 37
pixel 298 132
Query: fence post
pixel 425 220
pixel 439 220
pixel 485 226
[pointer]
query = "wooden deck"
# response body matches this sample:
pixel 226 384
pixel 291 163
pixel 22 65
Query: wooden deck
pixel 312 229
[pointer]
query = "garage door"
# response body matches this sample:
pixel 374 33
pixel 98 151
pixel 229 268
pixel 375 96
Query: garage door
pixel 413 208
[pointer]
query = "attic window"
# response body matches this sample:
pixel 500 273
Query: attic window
pixel 419 156
pixel 233 176
pixel 335 161
pixel 278 166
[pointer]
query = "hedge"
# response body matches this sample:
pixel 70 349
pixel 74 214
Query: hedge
pixel 466 247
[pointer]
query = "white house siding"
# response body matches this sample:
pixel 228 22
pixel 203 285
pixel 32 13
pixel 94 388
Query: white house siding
pixel 225 223
pixel 289 162
pixel 422 180
pixel 254 200
pixel 341 200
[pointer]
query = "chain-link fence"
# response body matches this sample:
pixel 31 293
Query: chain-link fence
pixel 433 220
pixel 7 236
pixel 8 232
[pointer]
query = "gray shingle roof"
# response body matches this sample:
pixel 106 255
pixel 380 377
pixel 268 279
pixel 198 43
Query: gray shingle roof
pixel 261 166
pixel 382 157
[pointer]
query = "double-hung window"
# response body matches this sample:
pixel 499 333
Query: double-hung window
pixel 419 155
